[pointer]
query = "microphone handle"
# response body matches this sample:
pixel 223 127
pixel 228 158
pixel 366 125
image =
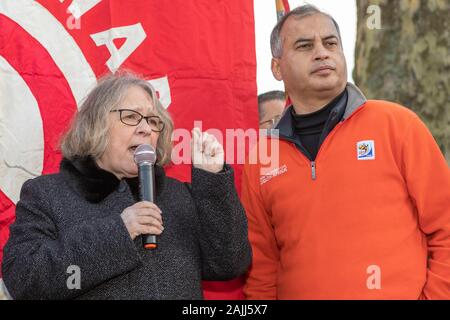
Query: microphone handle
pixel 147 193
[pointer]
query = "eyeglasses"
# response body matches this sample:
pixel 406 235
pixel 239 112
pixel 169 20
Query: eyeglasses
pixel 272 121
pixel 133 118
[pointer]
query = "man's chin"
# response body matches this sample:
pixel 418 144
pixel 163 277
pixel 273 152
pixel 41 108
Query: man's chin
pixel 328 84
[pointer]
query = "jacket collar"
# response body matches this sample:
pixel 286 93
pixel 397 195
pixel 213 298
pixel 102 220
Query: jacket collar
pixel 355 100
pixel 95 184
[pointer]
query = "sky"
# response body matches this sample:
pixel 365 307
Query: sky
pixel 343 11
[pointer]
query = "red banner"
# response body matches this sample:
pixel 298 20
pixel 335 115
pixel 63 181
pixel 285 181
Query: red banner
pixel 199 55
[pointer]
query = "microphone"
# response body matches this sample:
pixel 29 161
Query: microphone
pixel 145 158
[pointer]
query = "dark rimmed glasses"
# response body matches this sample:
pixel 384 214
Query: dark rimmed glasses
pixel 133 118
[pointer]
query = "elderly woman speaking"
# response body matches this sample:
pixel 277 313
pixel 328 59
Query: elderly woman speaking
pixel 78 233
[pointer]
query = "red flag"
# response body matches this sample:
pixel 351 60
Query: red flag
pixel 199 55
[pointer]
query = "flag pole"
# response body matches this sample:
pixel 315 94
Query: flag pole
pixel 282 7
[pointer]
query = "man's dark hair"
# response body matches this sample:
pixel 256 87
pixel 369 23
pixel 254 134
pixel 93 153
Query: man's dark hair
pixel 276 45
pixel 269 96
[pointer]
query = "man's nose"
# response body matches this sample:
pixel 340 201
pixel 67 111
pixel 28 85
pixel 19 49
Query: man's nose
pixel 321 53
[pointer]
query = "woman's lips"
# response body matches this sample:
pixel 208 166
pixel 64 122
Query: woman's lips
pixel 132 148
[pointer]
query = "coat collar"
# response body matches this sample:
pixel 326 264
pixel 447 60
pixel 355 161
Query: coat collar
pixel 355 100
pixel 95 184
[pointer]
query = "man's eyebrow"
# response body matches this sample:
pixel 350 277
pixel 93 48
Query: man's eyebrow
pixel 304 40
pixel 331 36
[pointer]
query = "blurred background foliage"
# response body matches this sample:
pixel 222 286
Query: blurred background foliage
pixel 407 59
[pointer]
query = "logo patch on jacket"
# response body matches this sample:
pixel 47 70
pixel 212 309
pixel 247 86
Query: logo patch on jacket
pixel 365 150
pixel 267 176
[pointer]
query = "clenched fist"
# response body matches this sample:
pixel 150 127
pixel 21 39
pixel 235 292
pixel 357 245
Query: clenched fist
pixel 207 152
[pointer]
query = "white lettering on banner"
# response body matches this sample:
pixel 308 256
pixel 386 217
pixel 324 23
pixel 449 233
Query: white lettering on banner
pixel 79 7
pixel 72 22
pixel 162 87
pixel 134 35
pixel 23 152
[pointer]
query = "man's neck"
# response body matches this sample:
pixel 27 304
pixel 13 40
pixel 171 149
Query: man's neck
pixel 303 105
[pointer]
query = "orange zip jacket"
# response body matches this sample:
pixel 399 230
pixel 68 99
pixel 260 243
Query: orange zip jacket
pixel 369 219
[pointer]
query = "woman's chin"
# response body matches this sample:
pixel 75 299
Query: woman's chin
pixel 131 174
pixel 130 171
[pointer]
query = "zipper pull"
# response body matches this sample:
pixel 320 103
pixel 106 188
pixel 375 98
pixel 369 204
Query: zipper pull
pixel 313 170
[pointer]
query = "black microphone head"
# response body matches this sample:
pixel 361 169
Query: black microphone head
pixel 145 153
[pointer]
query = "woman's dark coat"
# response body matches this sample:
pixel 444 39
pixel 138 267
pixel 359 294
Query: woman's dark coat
pixel 72 220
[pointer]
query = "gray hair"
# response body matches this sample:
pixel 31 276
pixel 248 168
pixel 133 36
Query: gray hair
pixel 269 96
pixel 276 44
pixel 88 133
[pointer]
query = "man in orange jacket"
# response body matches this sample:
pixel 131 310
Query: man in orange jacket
pixel 358 206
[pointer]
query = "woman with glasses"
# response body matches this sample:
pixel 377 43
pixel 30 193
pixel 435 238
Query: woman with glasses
pixel 78 233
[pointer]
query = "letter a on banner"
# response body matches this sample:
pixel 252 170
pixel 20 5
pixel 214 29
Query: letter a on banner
pixel 134 36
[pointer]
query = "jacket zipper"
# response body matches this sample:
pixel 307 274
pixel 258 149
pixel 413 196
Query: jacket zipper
pixel 333 132
pixel 313 164
pixel 313 170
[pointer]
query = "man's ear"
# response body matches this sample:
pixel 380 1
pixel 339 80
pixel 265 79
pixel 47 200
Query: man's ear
pixel 276 69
